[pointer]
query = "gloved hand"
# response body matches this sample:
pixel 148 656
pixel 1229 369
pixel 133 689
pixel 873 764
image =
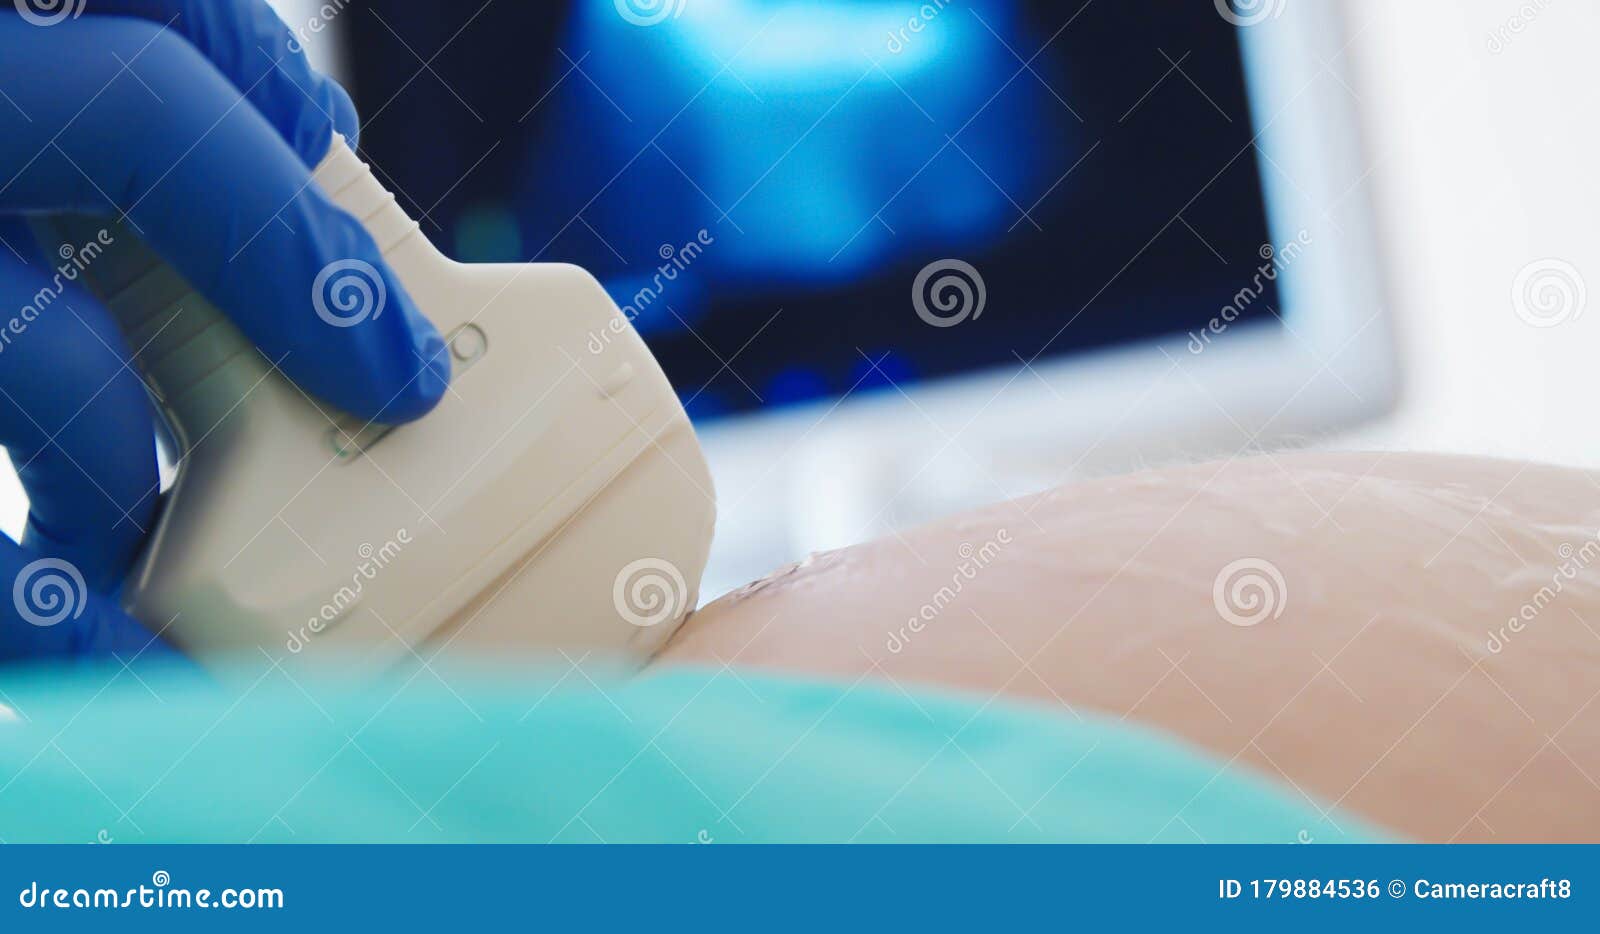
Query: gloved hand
pixel 198 121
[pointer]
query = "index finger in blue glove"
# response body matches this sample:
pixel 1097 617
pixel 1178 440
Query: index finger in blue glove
pixel 249 44
pixel 140 122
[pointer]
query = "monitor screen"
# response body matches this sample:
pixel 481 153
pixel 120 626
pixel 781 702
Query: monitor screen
pixel 794 201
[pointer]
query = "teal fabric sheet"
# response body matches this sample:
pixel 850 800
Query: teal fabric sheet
pixel 569 755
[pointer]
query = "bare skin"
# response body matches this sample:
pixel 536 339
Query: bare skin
pixel 1430 660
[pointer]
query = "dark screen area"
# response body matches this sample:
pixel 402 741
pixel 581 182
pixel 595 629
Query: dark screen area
pixel 795 165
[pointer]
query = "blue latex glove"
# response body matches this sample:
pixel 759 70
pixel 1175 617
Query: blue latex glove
pixel 199 120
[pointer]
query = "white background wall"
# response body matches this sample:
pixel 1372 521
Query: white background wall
pixel 322 52
pixel 1483 162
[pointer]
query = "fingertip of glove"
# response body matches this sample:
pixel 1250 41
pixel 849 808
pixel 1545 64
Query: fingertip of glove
pixel 426 383
pixel 333 113
pixel 346 121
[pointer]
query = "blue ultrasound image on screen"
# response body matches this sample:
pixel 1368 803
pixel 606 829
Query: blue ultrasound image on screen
pixel 759 183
